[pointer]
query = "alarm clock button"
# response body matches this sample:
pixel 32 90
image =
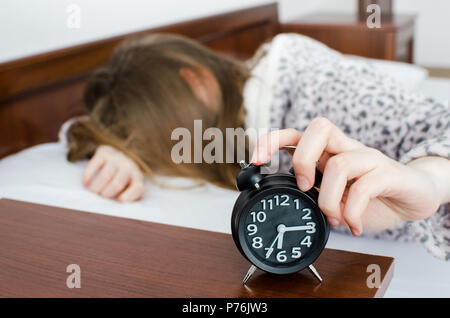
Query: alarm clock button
pixel 291 171
pixel 249 177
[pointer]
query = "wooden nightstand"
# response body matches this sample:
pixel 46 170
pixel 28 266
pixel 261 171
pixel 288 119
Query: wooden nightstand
pixel 121 257
pixel 343 32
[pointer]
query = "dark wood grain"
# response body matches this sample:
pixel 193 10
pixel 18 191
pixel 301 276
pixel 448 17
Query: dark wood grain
pixel 121 257
pixel 347 34
pixel 38 93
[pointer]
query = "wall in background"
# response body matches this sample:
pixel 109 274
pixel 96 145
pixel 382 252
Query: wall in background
pixel 290 9
pixel 30 27
pixel 432 30
pixel 33 26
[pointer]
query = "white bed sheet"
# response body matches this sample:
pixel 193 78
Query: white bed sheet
pixel 42 175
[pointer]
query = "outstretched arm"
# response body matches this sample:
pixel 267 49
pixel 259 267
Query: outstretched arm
pixel 361 187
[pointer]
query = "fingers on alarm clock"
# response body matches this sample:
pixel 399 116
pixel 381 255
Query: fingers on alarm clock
pixel 340 158
pixel 320 140
pixel 112 174
pixel 371 178
pixel 320 137
pixel 271 142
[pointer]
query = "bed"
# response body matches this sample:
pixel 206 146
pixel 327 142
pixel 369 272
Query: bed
pixel 39 93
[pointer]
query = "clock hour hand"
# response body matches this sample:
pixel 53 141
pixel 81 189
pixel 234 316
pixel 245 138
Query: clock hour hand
pixel 281 229
pixel 278 238
pixel 280 241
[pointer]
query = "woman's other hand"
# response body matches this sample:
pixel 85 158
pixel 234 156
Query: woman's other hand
pixel 111 174
pixel 361 187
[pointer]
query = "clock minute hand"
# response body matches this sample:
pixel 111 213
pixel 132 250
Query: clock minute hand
pixel 283 228
pixel 297 228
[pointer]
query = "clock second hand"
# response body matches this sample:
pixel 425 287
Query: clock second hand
pixel 270 249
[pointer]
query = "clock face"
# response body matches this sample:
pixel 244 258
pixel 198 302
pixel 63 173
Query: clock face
pixel 282 231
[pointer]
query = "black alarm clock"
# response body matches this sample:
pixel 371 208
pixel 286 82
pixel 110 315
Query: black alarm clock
pixel 277 227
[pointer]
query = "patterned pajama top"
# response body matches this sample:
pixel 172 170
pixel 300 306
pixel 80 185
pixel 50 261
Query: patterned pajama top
pixel 297 79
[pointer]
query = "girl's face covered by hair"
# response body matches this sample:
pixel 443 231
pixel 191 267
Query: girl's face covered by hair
pixel 152 85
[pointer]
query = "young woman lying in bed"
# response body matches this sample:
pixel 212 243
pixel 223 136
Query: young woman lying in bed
pixel 384 153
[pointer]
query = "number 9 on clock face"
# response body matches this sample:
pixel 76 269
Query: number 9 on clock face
pixel 282 230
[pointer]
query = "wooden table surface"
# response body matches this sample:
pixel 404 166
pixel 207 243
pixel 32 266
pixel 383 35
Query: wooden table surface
pixel 122 257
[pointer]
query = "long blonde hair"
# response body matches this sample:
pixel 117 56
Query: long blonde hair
pixel 138 98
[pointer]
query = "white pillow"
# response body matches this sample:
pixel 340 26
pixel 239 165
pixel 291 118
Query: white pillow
pixel 438 88
pixel 410 76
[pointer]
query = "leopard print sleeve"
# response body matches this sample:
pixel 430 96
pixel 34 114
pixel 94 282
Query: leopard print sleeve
pixel 369 106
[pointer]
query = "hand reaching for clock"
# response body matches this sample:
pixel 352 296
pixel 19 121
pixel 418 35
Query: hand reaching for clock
pixel 361 187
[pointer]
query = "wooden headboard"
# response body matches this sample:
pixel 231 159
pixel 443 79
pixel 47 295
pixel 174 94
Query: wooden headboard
pixel 39 93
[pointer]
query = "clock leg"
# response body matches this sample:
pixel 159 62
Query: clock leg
pixel 249 273
pixel 315 272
